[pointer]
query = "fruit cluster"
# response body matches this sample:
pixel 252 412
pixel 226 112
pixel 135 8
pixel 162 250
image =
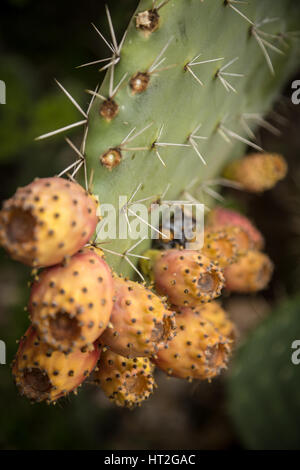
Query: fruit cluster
pixel 88 321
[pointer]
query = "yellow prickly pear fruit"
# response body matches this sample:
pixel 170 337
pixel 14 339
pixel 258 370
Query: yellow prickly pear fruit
pixel 221 247
pixel 240 238
pixel 140 323
pixel 186 277
pixel 220 218
pixel 42 374
pixel 126 382
pixel 257 172
pixel 198 351
pixel 46 221
pixel 213 312
pixel 251 273
pixel 71 304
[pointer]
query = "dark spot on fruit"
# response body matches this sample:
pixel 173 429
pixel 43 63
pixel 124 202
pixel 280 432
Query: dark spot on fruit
pixel 62 327
pixel 20 226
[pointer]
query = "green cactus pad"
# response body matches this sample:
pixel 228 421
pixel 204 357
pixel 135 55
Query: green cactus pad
pixel 177 103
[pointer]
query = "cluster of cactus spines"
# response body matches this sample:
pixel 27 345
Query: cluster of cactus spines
pixel 140 323
pixel 46 221
pixel 70 304
pixel 126 382
pixel 44 374
pixel 143 147
pixel 166 153
pixel 257 172
pixel 198 351
pixel 186 277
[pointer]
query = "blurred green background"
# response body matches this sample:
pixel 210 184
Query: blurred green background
pixel 43 40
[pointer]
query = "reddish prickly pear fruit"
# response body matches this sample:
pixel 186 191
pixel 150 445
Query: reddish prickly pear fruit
pixel 221 247
pixel 71 304
pixel 43 374
pixel 198 351
pixel 186 277
pixel 213 312
pixel 251 273
pixel 257 172
pixel 140 324
pixel 46 221
pixel 220 218
pixel 126 382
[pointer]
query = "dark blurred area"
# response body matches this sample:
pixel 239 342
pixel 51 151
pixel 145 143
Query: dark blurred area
pixel 42 40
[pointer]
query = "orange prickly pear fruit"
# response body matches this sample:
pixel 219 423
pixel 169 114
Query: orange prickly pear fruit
pixel 186 277
pixel 221 247
pixel 257 172
pixel 126 382
pixel 46 221
pixel 251 273
pixel 71 304
pixel 213 312
pixel 220 218
pixel 140 323
pixel 198 351
pixel 43 374
pixel 241 239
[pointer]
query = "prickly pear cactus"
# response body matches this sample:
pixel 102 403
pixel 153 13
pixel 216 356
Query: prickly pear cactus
pixel 264 382
pixel 208 63
pixel 180 88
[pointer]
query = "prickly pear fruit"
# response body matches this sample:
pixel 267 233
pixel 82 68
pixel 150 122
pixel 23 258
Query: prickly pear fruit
pixel 71 304
pixel 198 351
pixel 257 172
pixel 219 218
pixel 141 323
pixel 221 247
pixel 213 312
pixel 42 374
pixel 251 273
pixel 186 276
pixel 46 221
pixel 126 382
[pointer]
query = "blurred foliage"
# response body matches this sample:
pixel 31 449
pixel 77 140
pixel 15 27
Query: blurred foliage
pixel 40 41
pixel 263 386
